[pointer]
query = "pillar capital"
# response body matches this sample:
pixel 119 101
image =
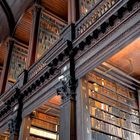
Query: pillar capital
pixel 36 8
pixel 67 88
pixel 10 41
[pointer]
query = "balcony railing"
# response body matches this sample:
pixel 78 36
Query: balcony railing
pixel 44 61
pixel 98 10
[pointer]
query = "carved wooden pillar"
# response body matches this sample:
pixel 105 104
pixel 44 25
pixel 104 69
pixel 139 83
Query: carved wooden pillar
pixel 68 119
pixel 34 34
pixel 6 65
pixel 67 91
pixel 73 11
pixel 15 122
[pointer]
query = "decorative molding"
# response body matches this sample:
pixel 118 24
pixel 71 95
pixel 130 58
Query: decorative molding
pixel 95 34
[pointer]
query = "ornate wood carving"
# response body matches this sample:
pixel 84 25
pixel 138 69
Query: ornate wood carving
pixel 66 88
pixel 87 5
pixel 18 62
pixel 101 7
pixel 49 33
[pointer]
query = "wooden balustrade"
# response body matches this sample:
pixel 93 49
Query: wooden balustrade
pixel 98 10
pixel 46 59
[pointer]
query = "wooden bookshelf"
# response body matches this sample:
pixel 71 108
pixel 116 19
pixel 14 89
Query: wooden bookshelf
pixel 113 109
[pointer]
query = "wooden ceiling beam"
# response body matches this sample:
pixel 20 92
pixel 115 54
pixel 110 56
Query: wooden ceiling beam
pixel 7 10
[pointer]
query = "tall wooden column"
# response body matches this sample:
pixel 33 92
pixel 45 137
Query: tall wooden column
pixel 68 119
pixel 67 91
pixel 6 65
pixel 34 34
pixel 73 11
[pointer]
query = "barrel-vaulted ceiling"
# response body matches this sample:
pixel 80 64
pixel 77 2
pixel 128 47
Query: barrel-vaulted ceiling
pixel 12 12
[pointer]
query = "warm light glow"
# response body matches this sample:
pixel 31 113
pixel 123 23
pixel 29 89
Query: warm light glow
pixel 55 100
pixel 42 133
pixel 130 56
pixel 103 82
pixel 95 87
pixel 102 106
pixel 56 128
pixel 86 10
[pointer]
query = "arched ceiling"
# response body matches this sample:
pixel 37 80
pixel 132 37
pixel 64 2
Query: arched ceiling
pixel 23 28
pixel 11 12
pixel 18 7
pixel 4 27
